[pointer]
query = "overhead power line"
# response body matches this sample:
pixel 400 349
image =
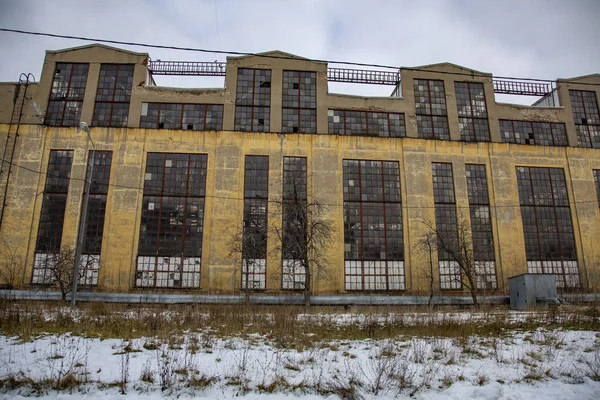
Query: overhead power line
pixel 242 53
pixel 235 198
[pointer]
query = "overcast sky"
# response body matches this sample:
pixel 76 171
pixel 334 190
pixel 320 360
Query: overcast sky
pixel 539 39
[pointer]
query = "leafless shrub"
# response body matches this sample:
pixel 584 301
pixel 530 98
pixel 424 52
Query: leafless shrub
pixel 124 369
pixel 11 263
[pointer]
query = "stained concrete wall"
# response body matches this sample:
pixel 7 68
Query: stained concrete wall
pixel 226 150
pixel 325 154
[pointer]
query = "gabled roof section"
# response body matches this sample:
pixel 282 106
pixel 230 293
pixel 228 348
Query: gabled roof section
pixel 447 67
pixel 276 54
pixel 98 46
pixel 592 77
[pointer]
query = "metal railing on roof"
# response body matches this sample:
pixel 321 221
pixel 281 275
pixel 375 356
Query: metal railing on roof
pixel 502 85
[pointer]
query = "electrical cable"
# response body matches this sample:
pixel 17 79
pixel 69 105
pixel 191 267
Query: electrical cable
pixel 141 189
pixel 241 53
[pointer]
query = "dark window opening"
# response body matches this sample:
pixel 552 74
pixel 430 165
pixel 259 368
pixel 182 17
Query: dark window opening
pixel 596 173
pixel 66 95
pixel 254 237
pixel 547 224
pixel 472 112
pixel 172 224
pixel 253 100
pixel 585 109
pixel 294 243
pixel 373 234
pixel 197 117
pixel 366 123
pixel 299 102
pixel 446 225
pixel 481 227
pixel 50 229
pixel 113 95
pixel 430 100
pixel 534 133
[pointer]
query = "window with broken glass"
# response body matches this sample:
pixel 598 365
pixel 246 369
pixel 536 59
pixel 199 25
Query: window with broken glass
pixel 254 237
pixel 294 243
pixel 113 95
pixel 299 102
pixel 366 123
pixel 373 236
pixel 170 243
pixel 430 100
pixel 535 133
pixel 66 95
pixel 547 224
pixel 52 217
pixel 92 245
pixel 472 112
pixel 193 117
pixel 481 227
pixel 587 117
pixel 446 225
pixel 253 100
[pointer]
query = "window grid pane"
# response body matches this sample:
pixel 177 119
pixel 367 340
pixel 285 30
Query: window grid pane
pixel 299 102
pixel 472 112
pixel 430 100
pixel 253 100
pixel 294 245
pixel 373 235
pixel 196 117
pixel 113 95
pixel 547 225
pixel 481 226
pixel 534 133
pixel 66 96
pixel 170 244
pixel 52 216
pixel 254 240
pixel 363 123
pixel 446 224
pixel 587 117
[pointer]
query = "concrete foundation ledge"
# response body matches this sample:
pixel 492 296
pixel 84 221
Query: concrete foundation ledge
pixel 170 298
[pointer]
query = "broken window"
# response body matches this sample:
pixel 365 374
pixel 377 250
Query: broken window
pixel 194 117
pixel 547 224
pixel 92 245
pixel 446 224
pixel 366 123
pixel 254 237
pixel 535 133
pixel 430 101
pixel 66 95
pixel 170 243
pixel 373 236
pixel 294 243
pixel 481 227
pixel 587 117
pixel 472 112
pixel 113 95
pixel 253 100
pixel 299 102
pixel 52 217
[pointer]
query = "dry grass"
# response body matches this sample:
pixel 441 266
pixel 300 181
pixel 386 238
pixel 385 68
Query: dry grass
pixel 283 326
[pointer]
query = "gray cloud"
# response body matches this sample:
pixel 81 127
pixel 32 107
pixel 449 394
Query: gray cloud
pixel 544 39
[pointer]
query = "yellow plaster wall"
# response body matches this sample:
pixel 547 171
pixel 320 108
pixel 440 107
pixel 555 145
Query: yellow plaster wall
pixel 325 154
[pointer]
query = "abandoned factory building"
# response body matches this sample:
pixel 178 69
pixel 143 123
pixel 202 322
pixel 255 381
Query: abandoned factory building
pixel 190 187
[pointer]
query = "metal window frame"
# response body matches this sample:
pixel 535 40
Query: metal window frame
pixel 112 102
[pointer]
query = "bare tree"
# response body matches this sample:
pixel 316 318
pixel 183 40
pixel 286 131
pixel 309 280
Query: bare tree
pixel 250 243
pixel 456 246
pixel 427 246
pixel 11 263
pixel 303 238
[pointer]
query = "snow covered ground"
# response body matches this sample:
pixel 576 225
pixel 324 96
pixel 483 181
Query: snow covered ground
pixel 544 364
